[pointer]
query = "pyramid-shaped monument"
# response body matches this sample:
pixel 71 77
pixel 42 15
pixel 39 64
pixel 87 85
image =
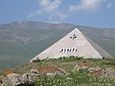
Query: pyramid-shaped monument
pixel 74 43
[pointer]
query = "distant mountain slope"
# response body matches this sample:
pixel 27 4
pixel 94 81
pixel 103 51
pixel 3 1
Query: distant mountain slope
pixel 21 41
pixel 103 37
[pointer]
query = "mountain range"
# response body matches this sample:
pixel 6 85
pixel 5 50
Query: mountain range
pixel 22 40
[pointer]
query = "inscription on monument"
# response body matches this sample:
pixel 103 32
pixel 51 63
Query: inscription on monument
pixel 67 50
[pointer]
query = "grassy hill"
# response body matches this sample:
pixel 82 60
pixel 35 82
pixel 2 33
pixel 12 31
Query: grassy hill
pixel 75 77
pixel 21 41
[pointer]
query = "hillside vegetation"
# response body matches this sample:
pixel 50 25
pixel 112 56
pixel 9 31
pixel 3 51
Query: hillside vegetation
pixel 75 77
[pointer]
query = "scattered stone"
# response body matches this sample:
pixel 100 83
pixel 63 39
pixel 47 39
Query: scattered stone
pixel 48 70
pixel 35 72
pixel 1 81
pixel 84 65
pixel 96 71
pixel 110 72
pixel 27 79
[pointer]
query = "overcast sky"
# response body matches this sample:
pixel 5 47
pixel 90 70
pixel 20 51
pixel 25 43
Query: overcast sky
pixel 98 13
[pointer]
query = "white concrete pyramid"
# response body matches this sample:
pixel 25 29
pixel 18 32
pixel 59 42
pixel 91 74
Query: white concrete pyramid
pixel 73 44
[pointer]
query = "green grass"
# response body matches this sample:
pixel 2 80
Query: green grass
pixel 76 78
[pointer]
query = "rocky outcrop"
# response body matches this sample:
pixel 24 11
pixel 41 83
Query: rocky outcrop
pixel 14 79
